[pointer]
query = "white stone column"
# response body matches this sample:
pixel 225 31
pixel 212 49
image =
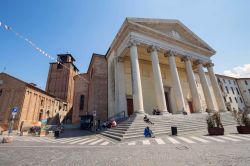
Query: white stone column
pixel 192 84
pixel 216 89
pixel 176 83
pixel 136 80
pixel 159 90
pixel 205 87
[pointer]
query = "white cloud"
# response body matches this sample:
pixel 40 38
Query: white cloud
pixel 239 71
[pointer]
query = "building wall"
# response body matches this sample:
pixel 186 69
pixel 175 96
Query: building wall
pixel 31 101
pixel 231 93
pixel 81 88
pixel 244 85
pixel 11 95
pixel 35 103
pixel 98 92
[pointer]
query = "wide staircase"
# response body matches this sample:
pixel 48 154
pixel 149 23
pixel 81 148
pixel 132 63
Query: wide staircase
pixel 134 126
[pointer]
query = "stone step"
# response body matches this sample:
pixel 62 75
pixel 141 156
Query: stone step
pixel 112 136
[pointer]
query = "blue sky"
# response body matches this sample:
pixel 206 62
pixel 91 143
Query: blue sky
pixel 82 27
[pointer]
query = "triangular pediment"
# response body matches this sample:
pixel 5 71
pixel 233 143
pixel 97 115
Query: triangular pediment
pixel 173 29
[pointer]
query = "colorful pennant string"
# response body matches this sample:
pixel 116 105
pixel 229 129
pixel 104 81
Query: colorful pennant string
pixel 6 27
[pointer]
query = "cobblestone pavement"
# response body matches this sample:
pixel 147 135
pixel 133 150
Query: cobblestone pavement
pixel 100 141
pixel 228 150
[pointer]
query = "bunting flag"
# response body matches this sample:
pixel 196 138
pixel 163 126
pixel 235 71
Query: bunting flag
pixel 6 27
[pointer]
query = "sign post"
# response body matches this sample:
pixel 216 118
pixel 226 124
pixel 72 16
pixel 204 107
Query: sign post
pixel 94 115
pixel 14 111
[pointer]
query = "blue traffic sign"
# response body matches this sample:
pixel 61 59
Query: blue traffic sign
pixel 14 110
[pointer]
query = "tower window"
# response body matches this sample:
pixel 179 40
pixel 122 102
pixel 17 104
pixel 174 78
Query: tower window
pixel 246 82
pixel 59 66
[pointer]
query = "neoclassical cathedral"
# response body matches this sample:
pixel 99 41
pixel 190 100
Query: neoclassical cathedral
pixel 152 63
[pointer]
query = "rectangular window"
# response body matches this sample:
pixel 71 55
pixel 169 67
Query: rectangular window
pixel 246 82
pixel 229 81
pixel 227 89
pixel 225 99
pixel 234 83
pixel 232 89
pixel 1 92
pixel 238 92
pixel 249 90
pixel 221 88
pixel 236 100
pixel 81 102
pixel 224 81
pixel 230 99
pixel 218 79
pixel 241 100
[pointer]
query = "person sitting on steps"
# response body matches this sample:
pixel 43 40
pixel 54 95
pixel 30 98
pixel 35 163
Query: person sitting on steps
pixel 156 111
pixel 148 132
pixel 146 119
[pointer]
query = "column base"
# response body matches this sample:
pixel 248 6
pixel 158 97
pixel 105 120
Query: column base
pixel 165 113
pixel 139 112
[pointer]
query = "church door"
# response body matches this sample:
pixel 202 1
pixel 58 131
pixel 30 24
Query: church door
pixel 130 106
pixel 190 104
pixel 167 102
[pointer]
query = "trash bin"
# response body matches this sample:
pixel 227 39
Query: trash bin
pixel 56 134
pixel 174 130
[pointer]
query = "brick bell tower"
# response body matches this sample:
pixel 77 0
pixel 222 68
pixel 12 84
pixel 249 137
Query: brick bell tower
pixel 60 82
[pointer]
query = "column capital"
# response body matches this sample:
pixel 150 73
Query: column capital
pixel 169 53
pixel 152 48
pixel 199 61
pixel 132 42
pixel 187 58
pixel 209 64
pixel 120 59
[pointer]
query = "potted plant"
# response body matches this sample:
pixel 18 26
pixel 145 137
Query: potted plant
pixel 243 121
pixel 214 124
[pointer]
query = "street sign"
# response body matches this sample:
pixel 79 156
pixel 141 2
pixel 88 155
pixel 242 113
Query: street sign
pixel 14 110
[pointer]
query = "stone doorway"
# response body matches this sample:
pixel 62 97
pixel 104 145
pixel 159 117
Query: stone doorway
pixel 167 97
pixel 130 106
pixel 191 108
